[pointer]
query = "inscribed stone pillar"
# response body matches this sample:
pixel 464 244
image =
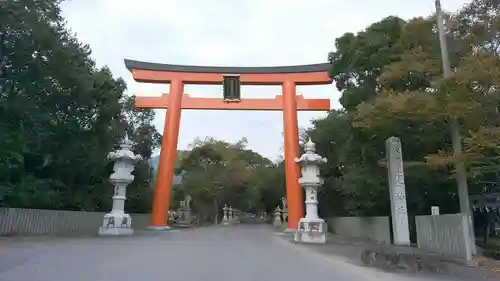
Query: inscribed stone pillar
pixel 397 192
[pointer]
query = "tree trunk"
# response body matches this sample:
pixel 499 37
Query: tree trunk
pixel 216 211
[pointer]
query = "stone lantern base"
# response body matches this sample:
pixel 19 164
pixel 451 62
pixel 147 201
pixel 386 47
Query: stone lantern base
pixel 225 222
pixel 159 228
pixel 311 231
pixel 116 224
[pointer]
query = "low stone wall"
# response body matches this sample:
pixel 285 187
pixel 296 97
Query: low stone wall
pixel 402 259
pixel 15 221
pixel 375 229
pixel 447 235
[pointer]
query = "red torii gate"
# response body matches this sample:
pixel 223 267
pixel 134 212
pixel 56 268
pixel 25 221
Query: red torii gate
pixel 179 75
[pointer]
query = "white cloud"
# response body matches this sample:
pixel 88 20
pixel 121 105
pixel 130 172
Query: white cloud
pixel 228 32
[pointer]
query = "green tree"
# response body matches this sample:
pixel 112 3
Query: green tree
pixel 414 89
pixel 218 173
pixel 356 176
pixel 390 79
pixel 59 115
pixel 137 123
pixel 358 60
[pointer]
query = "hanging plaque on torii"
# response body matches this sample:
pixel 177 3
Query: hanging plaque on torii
pixel 231 88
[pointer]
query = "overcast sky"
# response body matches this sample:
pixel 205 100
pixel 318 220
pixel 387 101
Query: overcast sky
pixel 233 33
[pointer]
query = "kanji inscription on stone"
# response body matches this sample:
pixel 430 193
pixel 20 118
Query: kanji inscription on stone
pixel 400 178
pixel 401 209
pixel 400 196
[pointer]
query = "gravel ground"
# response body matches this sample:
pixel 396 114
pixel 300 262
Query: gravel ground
pixel 349 250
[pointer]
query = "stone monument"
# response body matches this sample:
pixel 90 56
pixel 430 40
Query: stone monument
pixel 397 192
pixel 184 220
pixel 311 228
pixel 117 222
pixel 277 217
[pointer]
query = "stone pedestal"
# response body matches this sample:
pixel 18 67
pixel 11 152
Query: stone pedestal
pixel 311 231
pixel 117 222
pixel 159 228
pixel 311 228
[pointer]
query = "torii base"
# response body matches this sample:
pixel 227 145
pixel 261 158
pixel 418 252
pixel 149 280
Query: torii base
pixel 159 228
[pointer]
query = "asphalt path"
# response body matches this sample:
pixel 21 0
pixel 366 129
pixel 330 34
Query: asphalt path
pixel 235 253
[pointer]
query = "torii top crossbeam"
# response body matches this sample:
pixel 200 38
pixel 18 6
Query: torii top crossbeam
pixel 310 74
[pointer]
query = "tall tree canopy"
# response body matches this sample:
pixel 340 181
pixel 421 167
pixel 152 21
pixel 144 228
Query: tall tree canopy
pixel 60 116
pixel 390 77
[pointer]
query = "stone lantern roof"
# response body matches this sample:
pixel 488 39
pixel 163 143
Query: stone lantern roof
pixel 310 157
pixel 124 153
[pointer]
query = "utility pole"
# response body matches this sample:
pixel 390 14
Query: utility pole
pixel 461 174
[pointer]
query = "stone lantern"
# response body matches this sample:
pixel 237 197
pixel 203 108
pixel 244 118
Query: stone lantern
pixel 311 228
pixel 117 222
pixel 230 213
pixel 277 217
pixel 225 218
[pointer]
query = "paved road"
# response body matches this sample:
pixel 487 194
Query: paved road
pixel 241 253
